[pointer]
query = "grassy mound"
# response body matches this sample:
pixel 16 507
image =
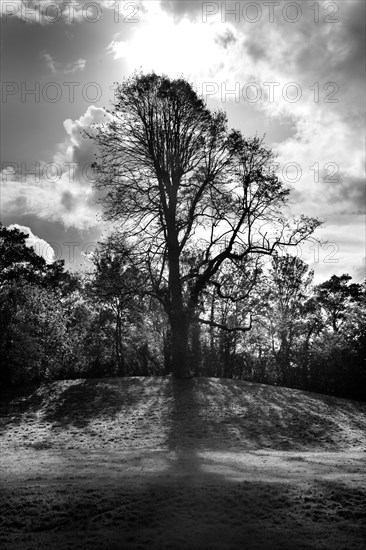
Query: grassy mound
pixel 202 463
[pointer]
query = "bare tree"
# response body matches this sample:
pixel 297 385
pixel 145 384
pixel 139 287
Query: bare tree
pixel 188 194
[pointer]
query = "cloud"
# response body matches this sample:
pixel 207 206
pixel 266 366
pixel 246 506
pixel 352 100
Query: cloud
pixel 182 8
pixel 226 39
pixel 78 150
pixel 349 193
pixel 160 44
pixel 33 195
pixel 64 68
pixel 360 271
pixel 67 200
pixel 93 115
pixel 40 246
pixel 62 189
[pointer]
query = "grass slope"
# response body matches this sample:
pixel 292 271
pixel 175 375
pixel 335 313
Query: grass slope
pixel 196 464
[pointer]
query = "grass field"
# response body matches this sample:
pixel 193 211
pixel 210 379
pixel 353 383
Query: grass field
pixel 153 463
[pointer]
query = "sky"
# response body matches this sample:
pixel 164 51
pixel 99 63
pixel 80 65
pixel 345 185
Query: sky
pixel 294 71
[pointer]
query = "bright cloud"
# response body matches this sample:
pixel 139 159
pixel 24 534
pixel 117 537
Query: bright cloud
pixel 160 44
pixel 40 246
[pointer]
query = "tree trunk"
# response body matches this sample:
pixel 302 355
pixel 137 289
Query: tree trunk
pixel 179 344
pixel 177 317
pixel 167 351
pixel 118 335
pixel 211 329
pixel 196 347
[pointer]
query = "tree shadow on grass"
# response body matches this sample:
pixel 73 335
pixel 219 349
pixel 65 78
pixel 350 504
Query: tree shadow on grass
pixel 204 413
pixel 82 403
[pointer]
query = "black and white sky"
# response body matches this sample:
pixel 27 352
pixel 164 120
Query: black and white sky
pixel 294 71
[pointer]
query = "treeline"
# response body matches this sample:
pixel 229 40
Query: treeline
pixel 275 327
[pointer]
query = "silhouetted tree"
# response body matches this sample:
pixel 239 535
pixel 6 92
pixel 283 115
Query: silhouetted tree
pixel 175 178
